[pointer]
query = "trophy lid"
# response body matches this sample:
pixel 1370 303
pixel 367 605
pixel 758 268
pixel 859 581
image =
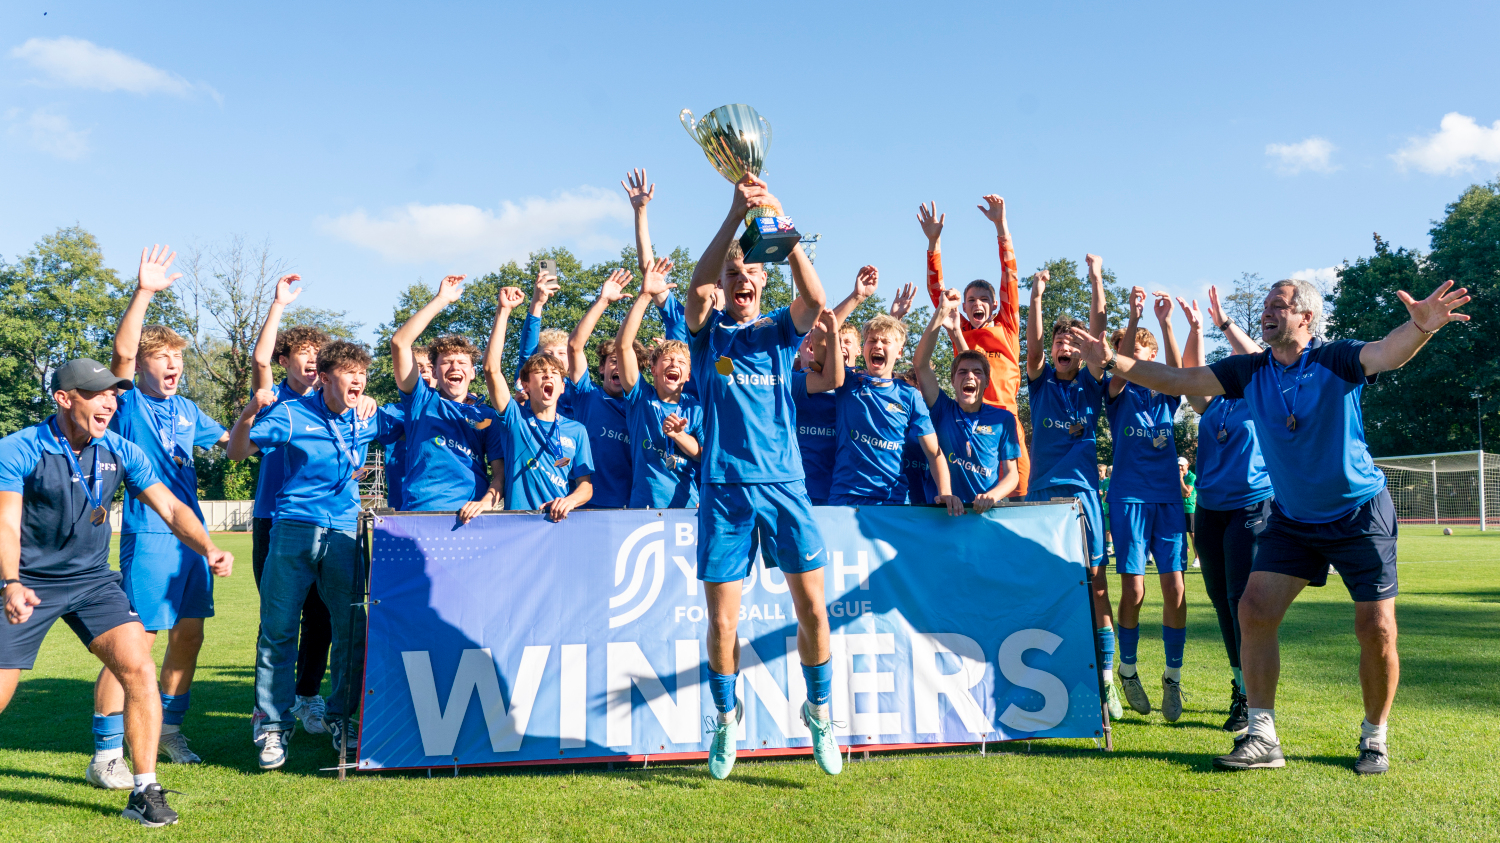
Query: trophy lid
pixel 735 138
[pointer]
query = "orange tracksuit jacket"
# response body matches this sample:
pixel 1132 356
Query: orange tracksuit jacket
pixel 1000 341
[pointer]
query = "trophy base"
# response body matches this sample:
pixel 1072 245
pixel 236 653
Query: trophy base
pixel 769 240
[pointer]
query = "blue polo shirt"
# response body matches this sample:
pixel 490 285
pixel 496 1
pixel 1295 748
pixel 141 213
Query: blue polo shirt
pixel 974 444
pixel 448 448
pixel 1231 471
pixel 320 486
pixel 1057 457
pixel 533 451
pixel 817 437
pixel 1140 422
pixel 1321 471
pixel 655 484
pixel 165 429
pixel 390 432
pixel 744 376
pixel 876 417
pixel 609 442
pixel 59 541
pixel 272 471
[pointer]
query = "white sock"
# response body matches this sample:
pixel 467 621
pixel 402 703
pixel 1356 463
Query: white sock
pixel 143 779
pixel 1172 673
pixel 821 712
pixel 106 754
pixel 170 730
pixel 726 717
pixel 1263 723
pixel 1109 675
pixel 1370 733
pixel 1127 669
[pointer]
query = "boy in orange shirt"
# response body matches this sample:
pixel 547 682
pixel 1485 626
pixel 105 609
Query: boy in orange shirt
pixel 987 327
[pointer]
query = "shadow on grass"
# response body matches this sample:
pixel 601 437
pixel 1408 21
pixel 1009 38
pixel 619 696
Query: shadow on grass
pixel 11 772
pixel 57 801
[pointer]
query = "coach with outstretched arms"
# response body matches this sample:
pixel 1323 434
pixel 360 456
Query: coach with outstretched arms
pixel 56 481
pixel 1331 505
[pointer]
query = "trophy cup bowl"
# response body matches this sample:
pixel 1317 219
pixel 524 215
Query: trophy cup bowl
pixel 735 139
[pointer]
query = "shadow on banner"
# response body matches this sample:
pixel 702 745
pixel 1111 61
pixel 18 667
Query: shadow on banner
pixel 516 640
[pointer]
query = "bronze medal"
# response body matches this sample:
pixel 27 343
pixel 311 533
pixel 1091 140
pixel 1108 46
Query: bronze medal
pixel 560 462
pixel 1075 429
pixel 99 515
pixel 1291 422
pixel 1222 436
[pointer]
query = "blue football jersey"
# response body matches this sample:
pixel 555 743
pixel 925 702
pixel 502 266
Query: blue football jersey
pixel 664 477
pixel 817 436
pixel 1145 466
pixel 744 376
pixel 876 417
pixel 974 444
pixel 1064 429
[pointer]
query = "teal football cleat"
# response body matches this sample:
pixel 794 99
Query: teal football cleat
pixel 721 753
pixel 1112 700
pixel 825 745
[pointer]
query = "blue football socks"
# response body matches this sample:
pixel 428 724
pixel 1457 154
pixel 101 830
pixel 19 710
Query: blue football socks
pixel 1173 641
pixel 721 686
pixel 1104 636
pixel 174 708
pixel 1130 639
pixel 819 682
pixel 109 732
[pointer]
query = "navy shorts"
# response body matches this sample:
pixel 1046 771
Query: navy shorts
pixel 91 608
pixel 1361 546
pixel 739 521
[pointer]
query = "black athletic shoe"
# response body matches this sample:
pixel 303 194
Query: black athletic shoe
pixel 1252 753
pixel 1239 710
pixel 148 806
pixel 337 729
pixel 1373 759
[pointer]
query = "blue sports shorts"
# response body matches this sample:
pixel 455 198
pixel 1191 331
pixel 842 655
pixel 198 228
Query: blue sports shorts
pixel 164 580
pixel 1135 527
pixel 737 521
pixel 90 608
pixel 1361 546
pixel 1093 521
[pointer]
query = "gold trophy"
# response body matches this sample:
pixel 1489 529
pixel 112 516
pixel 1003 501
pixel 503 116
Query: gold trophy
pixel 735 139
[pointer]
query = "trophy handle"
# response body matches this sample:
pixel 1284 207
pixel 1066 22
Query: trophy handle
pixel 765 126
pixel 686 116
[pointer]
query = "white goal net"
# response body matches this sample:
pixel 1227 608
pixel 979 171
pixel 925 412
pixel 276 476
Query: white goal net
pixel 1459 488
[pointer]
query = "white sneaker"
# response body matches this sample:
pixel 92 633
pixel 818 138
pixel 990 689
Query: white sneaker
pixel 273 749
pixel 313 712
pixel 1197 564
pixel 258 726
pixel 110 774
pixel 175 746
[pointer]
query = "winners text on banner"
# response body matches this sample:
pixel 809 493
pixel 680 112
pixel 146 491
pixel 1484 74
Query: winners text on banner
pixel 514 639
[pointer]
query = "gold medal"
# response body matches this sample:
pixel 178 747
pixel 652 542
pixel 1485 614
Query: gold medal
pixel 725 366
pixel 99 515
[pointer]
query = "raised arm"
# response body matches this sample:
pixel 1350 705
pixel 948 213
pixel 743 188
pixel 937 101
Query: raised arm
pixel 152 279
pixel 653 283
pixel 1128 346
pixel 927 380
pixel 507 300
pixel 1427 317
pixel 640 195
pixel 700 295
pixel 1098 305
pixel 240 446
pixel 1163 308
pixel 1036 354
pixel 1239 341
pixel 1008 309
pixel 932 227
pixel 264 377
pixel 1193 353
pixel 406 336
pixel 811 299
pixel 611 291
pixel 832 376
pixel 542 290
pixel 866 281
pixel 1199 380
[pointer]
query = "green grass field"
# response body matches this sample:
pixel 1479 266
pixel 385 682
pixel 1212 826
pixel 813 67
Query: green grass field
pixel 1157 785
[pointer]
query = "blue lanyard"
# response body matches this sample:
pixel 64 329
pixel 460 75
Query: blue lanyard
pixel 167 439
pixel 94 488
pixel 1291 406
pixel 542 442
pixel 345 452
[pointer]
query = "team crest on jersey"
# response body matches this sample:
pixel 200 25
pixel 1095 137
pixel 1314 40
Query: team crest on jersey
pixel 983 428
pixel 479 424
pixel 764 322
pixel 893 407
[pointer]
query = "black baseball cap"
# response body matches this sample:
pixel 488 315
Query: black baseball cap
pixel 87 375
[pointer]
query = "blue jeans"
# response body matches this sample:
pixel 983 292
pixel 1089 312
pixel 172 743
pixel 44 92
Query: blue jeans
pixel 303 555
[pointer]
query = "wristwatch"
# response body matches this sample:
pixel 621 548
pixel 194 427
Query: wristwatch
pixel 1224 326
pixel 4 584
pixel 1109 364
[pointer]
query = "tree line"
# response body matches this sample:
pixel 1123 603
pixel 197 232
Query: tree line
pixel 60 301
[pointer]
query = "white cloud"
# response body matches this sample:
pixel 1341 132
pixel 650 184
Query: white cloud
pixel 50 132
pixel 418 233
pixel 1458 144
pixel 75 63
pixel 1311 154
pixel 1325 279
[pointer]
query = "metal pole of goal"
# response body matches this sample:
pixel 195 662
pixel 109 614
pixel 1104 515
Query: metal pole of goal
pixel 1434 492
pixel 1481 490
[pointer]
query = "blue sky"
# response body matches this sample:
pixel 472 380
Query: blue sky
pixel 379 143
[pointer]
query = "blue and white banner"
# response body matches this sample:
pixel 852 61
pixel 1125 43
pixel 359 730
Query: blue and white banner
pixel 514 639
